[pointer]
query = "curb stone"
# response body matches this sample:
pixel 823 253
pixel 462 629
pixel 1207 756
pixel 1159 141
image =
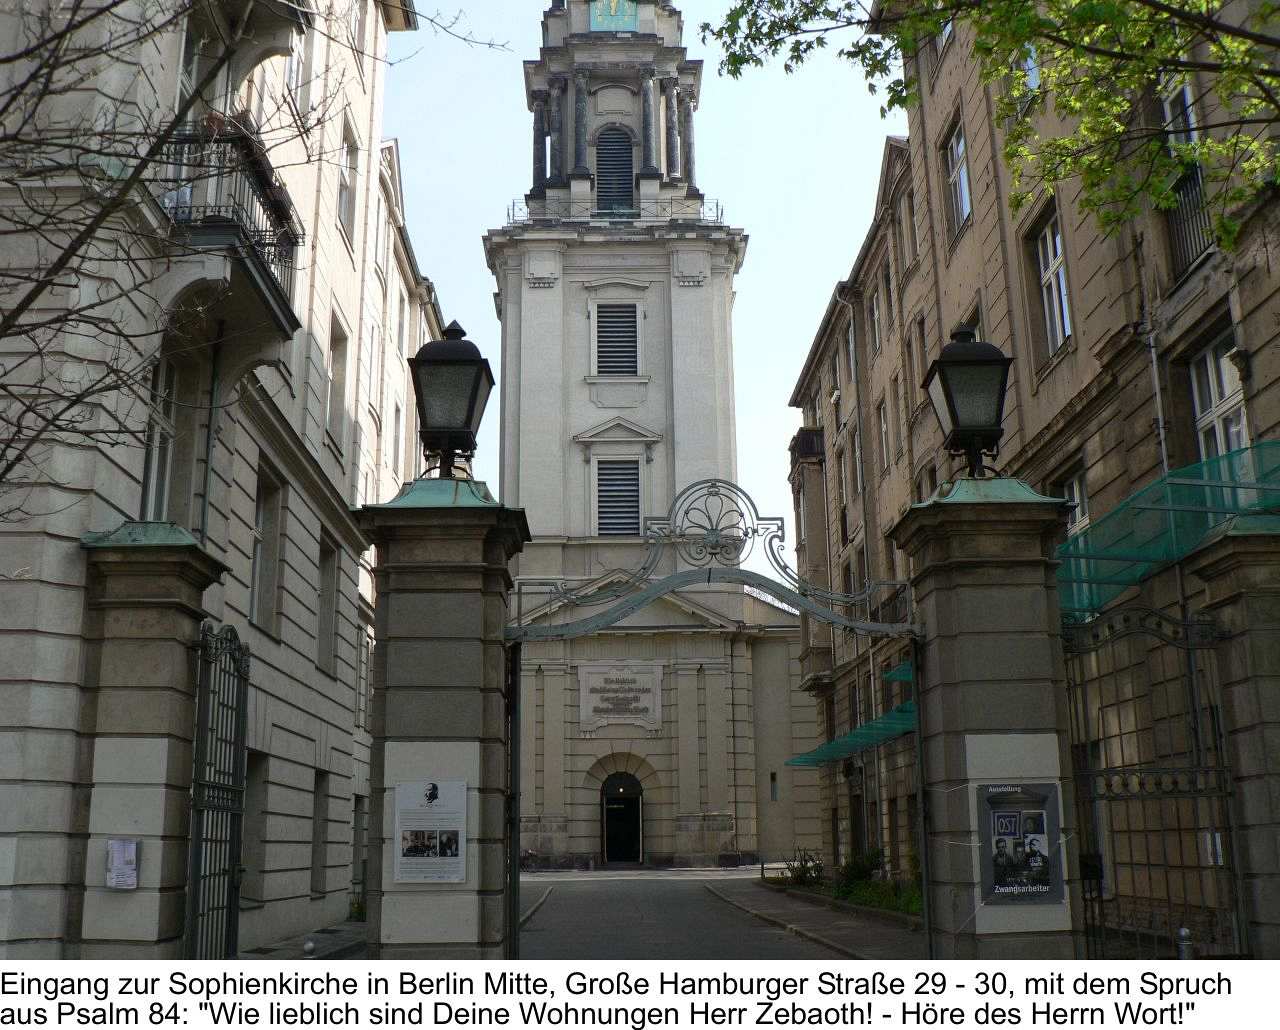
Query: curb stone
pixel 789 927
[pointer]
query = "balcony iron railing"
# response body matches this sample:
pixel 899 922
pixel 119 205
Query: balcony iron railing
pixel 807 443
pixel 220 183
pixel 1190 228
pixel 669 209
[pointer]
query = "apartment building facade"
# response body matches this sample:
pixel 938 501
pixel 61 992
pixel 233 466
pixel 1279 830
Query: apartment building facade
pixel 1144 379
pixel 281 299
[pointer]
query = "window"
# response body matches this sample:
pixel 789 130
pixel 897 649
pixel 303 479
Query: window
pixel 895 400
pixel 886 284
pixel 1073 490
pixel 617 340
pixel 1031 71
pixel 922 354
pixel 861 574
pixel 618 498
pixel 926 484
pixel 396 433
pixel 957 164
pixel 265 562
pixel 829 717
pixel 319 833
pixel 857 461
pixel 1052 266
pixel 1179 113
pixel 882 418
pixel 1218 396
pixel 162 431
pixel 295 71
pixel 908 241
pixel 835 386
pixel 379 233
pixel 773 786
pixel 843 486
pixel 402 318
pixel 188 70
pixel 327 615
pixel 945 33
pixel 364 658
pixel 254 848
pixel 615 171
pixel 873 317
pixel 800 514
pixel 355 26
pixel 336 402
pixel 348 169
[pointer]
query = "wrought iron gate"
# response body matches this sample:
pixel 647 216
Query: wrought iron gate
pixel 217 795
pixel 1153 789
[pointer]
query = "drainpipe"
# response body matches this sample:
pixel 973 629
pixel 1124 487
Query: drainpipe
pixel 210 429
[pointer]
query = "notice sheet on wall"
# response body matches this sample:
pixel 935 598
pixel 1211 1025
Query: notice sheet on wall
pixel 122 865
pixel 431 832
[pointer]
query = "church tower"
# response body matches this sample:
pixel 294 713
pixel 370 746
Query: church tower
pixel 615 290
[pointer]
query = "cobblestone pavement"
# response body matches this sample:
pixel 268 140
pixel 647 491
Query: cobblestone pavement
pixel 652 915
pixel 853 935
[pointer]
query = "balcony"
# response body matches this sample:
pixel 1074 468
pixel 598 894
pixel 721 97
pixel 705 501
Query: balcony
pixel 221 194
pixel 667 209
pixel 1190 228
pixel 807 443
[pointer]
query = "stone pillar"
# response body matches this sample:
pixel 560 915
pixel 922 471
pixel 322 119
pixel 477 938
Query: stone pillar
pixel 686 138
pixel 671 112
pixel 581 83
pixel 146 581
pixel 539 141
pixel 1241 571
pixel 556 115
pixel 993 714
pixel 439 708
pixel 649 126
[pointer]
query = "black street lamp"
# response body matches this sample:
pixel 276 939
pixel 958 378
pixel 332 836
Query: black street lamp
pixel 966 386
pixel 452 383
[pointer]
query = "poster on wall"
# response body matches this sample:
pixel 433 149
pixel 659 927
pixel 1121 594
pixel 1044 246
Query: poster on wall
pixel 431 832
pixel 1019 845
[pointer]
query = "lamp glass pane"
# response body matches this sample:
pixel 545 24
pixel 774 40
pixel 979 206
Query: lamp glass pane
pixel 938 397
pixel 482 398
pixel 446 393
pixel 975 391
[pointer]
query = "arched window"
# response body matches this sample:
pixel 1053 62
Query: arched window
pixel 615 172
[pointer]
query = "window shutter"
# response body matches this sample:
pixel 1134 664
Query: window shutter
pixel 618 498
pixel 617 343
pixel 615 173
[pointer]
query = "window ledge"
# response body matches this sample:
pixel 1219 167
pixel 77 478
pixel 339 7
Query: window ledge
pixel 332 443
pixel 346 239
pixel 618 379
pixel 958 235
pixel 1058 357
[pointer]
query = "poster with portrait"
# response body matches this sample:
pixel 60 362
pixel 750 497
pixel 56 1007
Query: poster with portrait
pixel 614 15
pixel 1020 857
pixel 431 832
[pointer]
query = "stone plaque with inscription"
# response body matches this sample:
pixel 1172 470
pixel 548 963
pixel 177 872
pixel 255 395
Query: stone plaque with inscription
pixel 617 694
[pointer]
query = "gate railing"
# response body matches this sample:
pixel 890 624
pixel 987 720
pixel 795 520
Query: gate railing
pixel 217 795
pixel 1153 790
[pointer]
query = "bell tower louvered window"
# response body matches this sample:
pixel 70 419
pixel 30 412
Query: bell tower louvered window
pixel 618 498
pixel 615 171
pixel 617 340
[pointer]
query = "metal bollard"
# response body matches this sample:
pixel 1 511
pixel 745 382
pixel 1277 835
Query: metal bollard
pixel 1186 947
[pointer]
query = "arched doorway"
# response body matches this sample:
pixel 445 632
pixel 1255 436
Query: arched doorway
pixel 622 819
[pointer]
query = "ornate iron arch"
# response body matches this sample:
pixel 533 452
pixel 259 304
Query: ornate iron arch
pixel 712 528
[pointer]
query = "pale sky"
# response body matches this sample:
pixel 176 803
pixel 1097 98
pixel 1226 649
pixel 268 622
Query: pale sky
pixel 795 159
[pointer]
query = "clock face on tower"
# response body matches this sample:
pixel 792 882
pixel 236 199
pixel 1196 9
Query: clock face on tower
pixel 613 15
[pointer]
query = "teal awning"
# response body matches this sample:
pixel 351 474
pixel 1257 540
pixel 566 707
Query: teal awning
pixel 1163 523
pixel 890 726
pixel 898 674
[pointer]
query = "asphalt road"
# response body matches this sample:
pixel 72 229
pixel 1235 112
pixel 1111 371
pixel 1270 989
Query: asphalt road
pixel 648 916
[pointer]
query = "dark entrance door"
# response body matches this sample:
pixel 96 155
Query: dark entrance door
pixel 622 815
